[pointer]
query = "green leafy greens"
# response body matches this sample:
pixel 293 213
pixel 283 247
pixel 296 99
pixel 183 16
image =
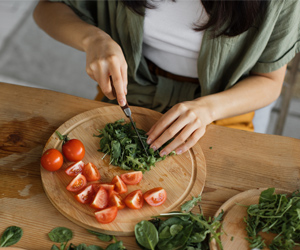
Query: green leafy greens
pixel 120 141
pixel 11 236
pixel 63 235
pixel 275 213
pixel 181 230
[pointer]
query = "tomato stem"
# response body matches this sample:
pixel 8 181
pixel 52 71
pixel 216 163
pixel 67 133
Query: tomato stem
pixel 63 138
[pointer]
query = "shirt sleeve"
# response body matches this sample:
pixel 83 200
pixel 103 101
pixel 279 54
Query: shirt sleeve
pixel 86 10
pixel 284 42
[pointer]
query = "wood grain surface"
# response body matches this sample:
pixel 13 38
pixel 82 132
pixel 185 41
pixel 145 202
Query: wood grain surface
pixel 182 176
pixel 236 161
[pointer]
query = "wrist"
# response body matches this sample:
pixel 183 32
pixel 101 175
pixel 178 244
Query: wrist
pixel 95 35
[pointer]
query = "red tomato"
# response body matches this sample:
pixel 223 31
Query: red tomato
pixel 86 195
pixel 114 199
pixel 120 186
pixel 108 187
pixel 156 196
pixel 52 160
pixel 101 199
pixel 75 168
pixel 134 200
pixel 77 184
pixel 106 215
pixel 73 150
pixel 132 178
pixel 91 172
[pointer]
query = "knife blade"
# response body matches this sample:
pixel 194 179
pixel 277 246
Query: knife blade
pixel 127 112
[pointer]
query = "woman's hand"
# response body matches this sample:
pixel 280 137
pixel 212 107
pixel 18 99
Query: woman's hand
pixel 186 122
pixel 104 58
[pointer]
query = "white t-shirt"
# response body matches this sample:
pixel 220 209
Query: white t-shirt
pixel 169 39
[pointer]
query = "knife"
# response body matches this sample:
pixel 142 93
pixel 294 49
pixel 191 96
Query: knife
pixel 127 112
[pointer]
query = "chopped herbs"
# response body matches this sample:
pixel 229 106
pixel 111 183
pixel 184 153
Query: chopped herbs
pixel 275 213
pixel 180 231
pixel 120 141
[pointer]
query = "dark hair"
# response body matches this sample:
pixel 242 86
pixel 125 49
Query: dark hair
pixel 226 17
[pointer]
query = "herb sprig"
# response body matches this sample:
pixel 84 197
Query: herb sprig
pixel 275 213
pixel 120 141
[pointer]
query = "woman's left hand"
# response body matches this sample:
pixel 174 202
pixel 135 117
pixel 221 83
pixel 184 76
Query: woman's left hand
pixel 186 122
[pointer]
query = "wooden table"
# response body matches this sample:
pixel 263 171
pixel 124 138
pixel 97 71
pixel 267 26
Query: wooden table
pixel 236 161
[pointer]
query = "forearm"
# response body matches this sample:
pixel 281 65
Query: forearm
pixel 252 93
pixel 60 22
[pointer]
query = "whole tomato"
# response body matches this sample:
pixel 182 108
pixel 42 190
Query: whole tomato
pixel 72 149
pixel 52 160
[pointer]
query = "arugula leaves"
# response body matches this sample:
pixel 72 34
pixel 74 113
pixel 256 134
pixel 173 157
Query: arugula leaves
pixel 275 213
pixel 120 141
pixel 11 236
pixel 180 231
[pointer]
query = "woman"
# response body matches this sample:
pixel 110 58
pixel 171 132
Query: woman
pixel 198 61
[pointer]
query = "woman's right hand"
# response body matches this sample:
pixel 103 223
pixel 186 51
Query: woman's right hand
pixel 104 58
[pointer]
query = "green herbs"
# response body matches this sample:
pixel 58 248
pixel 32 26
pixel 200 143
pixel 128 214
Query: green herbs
pixel 63 235
pixel 179 231
pixel 120 141
pixel 11 236
pixel 275 213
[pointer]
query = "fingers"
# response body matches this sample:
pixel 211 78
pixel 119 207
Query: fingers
pixel 180 123
pixel 105 62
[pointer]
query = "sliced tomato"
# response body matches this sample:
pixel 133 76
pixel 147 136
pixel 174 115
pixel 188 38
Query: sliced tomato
pixel 75 168
pixel 132 178
pixel 106 215
pixel 120 186
pixel 114 199
pixel 134 200
pixel 155 197
pixel 91 172
pixel 109 187
pixel 77 184
pixel 86 195
pixel 101 199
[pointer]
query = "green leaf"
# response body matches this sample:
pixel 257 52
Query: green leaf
pixel 175 229
pixel 102 237
pixel 115 246
pixel 54 247
pixel 60 234
pixel 146 234
pixel 11 236
pixel 189 205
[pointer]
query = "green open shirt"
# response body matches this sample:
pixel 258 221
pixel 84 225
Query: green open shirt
pixel 222 61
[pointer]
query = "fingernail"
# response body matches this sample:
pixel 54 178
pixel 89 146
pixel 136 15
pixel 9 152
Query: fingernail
pixel 122 102
pixel 163 153
pixel 153 147
pixel 179 151
pixel 149 140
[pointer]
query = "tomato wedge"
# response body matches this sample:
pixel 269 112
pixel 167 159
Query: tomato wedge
pixel 91 172
pixel 109 187
pixel 114 199
pixel 75 168
pixel 132 178
pixel 155 196
pixel 77 184
pixel 101 199
pixel 134 200
pixel 86 195
pixel 120 186
pixel 106 215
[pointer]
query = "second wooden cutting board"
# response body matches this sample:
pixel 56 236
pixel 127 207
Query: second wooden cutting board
pixel 182 176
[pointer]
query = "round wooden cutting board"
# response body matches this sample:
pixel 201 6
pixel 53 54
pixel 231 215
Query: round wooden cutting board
pixel 182 176
pixel 233 220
